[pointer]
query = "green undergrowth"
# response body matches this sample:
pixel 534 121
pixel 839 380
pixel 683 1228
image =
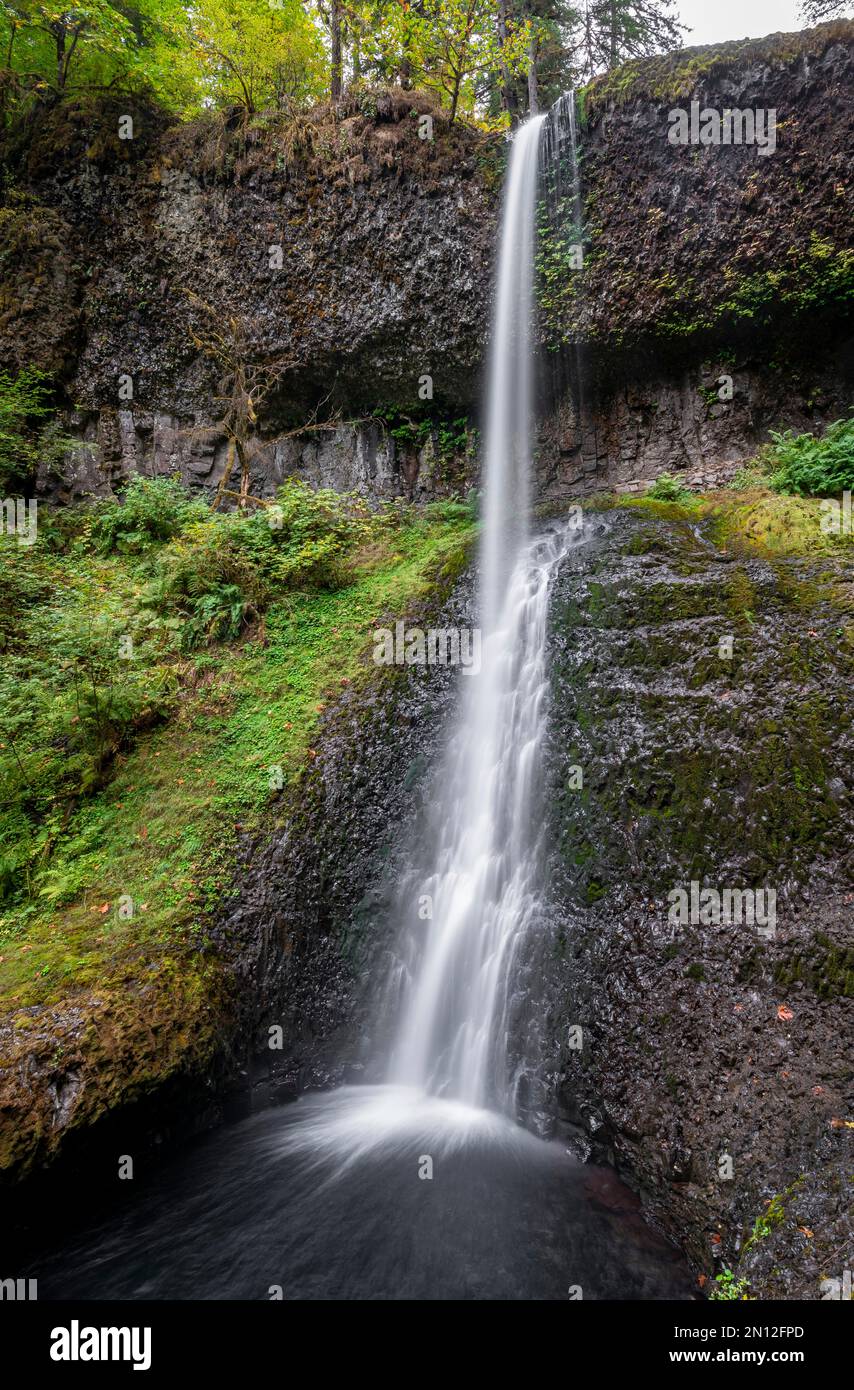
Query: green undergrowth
pixel 127 781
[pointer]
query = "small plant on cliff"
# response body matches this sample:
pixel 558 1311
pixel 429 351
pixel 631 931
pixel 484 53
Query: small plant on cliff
pixel 666 488
pixel 728 1287
pixel 815 467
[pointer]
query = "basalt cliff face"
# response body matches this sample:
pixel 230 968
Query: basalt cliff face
pixel 350 259
pixel 340 256
pixel 715 298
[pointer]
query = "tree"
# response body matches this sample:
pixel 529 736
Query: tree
pixel 255 54
pixel 68 32
pixel 816 11
pixel 331 12
pixel 51 50
pixel 246 381
pixel 611 31
pixel 463 49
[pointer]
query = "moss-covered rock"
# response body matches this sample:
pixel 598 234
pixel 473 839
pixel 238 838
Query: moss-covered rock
pixel 734 772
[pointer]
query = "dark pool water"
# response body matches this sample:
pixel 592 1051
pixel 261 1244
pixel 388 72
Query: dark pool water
pixel 323 1199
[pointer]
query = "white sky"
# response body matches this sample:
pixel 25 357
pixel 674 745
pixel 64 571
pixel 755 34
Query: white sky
pixel 709 21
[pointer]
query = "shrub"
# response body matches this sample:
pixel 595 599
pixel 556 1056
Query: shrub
pixel 666 488
pixel 27 437
pixel 813 467
pixel 316 533
pixel 153 510
pixel 224 569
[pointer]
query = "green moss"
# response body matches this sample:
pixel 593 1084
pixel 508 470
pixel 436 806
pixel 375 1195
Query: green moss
pixel 824 967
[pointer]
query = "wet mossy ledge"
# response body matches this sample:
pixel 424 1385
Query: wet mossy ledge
pixel 140 795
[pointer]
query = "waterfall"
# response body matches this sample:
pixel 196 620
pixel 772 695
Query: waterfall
pixel 462 1005
pixel 562 218
pixel 508 429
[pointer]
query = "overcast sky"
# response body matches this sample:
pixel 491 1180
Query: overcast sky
pixel 708 21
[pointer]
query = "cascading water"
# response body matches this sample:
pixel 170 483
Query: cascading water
pixel 481 894
pixel 484 884
pixel 562 221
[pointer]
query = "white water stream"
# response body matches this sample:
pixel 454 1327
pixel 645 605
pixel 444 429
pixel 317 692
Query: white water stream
pixel 483 890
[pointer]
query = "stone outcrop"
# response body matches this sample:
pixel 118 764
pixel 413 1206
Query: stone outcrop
pixel 355 259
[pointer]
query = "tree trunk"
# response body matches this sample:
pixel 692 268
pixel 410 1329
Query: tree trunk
pixel 337 60
pixel 533 88
pixel 455 96
pixel 509 99
pixel 244 474
pixel 59 37
pixel 356 38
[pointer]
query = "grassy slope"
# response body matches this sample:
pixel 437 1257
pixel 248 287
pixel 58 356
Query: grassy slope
pixel 163 828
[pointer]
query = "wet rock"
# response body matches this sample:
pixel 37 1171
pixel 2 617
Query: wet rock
pixel 711 1049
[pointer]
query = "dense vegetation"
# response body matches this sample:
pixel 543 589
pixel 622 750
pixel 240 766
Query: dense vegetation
pixel 492 58
pixel 161 668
